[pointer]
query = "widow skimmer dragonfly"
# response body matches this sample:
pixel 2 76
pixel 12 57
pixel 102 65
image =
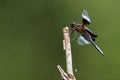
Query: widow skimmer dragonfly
pixel 87 36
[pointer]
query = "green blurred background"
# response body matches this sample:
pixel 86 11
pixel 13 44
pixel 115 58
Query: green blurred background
pixel 31 39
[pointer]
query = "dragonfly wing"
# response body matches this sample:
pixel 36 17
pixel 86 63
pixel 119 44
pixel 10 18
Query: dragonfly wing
pixel 82 41
pixel 85 17
pixel 90 32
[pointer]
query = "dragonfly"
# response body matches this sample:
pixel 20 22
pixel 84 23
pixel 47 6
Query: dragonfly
pixel 86 35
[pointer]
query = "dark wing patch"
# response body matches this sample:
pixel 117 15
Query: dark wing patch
pixel 85 17
pixel 90 32
pixel 93 35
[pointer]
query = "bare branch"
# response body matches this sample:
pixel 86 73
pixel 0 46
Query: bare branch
pixel 68 51
pixel 67 47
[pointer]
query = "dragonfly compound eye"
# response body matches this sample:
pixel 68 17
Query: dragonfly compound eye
pixel 72 24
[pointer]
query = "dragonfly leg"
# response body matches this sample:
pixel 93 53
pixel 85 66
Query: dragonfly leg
pixel 75 37
pixel 71 31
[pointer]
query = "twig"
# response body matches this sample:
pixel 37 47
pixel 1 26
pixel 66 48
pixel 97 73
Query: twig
pixel 67 47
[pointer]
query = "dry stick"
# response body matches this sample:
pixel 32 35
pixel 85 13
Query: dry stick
pixel 68 51
pixel 67 47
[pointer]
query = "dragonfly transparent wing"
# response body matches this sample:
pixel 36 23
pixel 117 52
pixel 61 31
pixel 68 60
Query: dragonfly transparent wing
pixel 82 41
pixel 85 17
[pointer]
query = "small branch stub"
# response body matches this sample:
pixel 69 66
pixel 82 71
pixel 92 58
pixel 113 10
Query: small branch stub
pixel 67 47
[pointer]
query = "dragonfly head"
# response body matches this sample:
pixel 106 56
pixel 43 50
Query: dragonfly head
pixel 72 25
